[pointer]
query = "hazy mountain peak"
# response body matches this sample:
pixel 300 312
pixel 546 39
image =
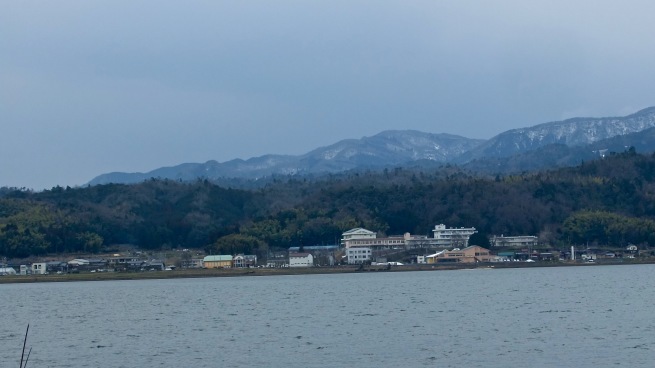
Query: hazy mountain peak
pixel 392 147
pixel 401 147
pixel 570 132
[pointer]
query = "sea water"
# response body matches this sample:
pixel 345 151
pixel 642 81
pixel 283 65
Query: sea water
pixel 533 317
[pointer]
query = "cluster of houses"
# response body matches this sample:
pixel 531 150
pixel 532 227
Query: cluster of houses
pixel 293 259
pixel 119 263
pixel 452 246
pixel 364 246
pixel 116 263
pixel 358 246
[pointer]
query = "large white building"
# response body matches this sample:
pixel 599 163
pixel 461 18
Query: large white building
pixel 358 255
pixel 443 238
pixel 452 236
pixel 392 242
pixel 356 233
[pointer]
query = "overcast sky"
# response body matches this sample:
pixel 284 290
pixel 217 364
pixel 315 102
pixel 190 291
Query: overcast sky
pixel 90 87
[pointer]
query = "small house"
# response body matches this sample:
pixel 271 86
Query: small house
pixel 192 263
pixel 301 260
pixel 154 265
pixel 39 268
pixel 244 260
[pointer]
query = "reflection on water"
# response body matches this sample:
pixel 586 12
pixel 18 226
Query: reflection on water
pixel 551 317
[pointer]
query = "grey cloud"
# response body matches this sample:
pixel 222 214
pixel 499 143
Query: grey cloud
pixel 91 87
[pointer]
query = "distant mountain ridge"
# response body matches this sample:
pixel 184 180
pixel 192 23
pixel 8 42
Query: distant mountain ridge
pixel 570 132
pixel 394 147
pixel 558 155
pixel 541 146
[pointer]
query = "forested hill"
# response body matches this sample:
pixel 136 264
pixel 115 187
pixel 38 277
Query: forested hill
pixel 606 201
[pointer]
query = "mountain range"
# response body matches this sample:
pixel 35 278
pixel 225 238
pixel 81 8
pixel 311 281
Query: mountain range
pixel 548 145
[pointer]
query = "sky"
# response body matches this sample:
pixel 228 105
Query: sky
pixel 91 87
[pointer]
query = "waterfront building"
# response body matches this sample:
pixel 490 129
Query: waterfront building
pixel 277 259
pixel 56 266
pixel 391 242
pixel 192 263
pixel 359 255
pixel 120 261
pixel 356 233
pixel 39 268
pixel 154 265
pixel 301 260
pixel 324 255
pixel 443 237
pixel 452 236
pixel 431 258
pixel 219 261
pixel 78 262
pixel 244 260
pixel 472 254
pixel 522 241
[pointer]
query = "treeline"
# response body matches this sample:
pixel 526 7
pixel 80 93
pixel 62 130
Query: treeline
pixel 603 202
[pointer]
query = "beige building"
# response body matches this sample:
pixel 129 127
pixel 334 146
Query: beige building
pixel 217 261
pixel 472 254
pixel 356 233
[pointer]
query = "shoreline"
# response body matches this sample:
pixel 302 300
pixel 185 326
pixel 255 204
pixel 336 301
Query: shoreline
pixel 245 272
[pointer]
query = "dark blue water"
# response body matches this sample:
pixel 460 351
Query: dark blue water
pixel 539 317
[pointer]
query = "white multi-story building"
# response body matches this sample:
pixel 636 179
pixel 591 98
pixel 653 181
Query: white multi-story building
pixel 452 236
pixel 392 242
pixel 443 238
pixel 358 255
pixel 357 233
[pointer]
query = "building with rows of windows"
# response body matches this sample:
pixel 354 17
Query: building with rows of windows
pixel 361 244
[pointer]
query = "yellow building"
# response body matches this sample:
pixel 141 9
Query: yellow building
pixel 472 254
pixel 217 262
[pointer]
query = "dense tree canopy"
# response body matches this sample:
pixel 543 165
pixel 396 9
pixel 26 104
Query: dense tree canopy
pixel 608 201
